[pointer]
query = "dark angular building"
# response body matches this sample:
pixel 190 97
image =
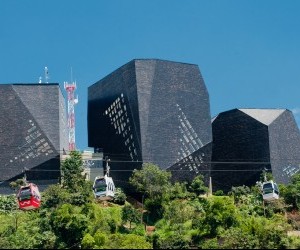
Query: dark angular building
pixel 33 133
pixel 245 141
pixel 153 111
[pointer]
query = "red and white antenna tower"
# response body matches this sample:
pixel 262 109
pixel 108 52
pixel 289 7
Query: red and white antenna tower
pixel 70 88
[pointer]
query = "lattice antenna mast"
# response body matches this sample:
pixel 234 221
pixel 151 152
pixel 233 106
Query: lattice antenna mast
pixel 46 74
pixel 46 71
pixel 70 88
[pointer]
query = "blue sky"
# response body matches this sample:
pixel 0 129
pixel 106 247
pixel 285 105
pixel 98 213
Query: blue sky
pixel 248 51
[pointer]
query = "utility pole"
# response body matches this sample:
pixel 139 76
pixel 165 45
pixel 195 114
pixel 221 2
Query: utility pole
pixel 210 187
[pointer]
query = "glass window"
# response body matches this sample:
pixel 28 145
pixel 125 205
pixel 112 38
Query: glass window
pixel 25 194
pixel 268 188
pixel 100 189
pixel 100 185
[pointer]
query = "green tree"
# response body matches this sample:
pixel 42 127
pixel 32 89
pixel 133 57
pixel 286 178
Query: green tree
pixel 155 185
pixel 130 214
pixel 100 238
pixel 270 233
pixel 174 240
pixel 54 196
pixel 72 168
pixel 178 212
pixel 45 240
pixel 88 241
pixel 8 203
pixel 238 193
pixel 126 241
pixel 178 191
pixel 197 186
pixel 209 244
pixel 291 193
pixel 15 185
pixel 175 229
pixel 73 180
pixel 21 229
pixel 119 197
pixel 151 180
pixel 69 224
pixel 220 213
pixel 219 193
pixel 236 238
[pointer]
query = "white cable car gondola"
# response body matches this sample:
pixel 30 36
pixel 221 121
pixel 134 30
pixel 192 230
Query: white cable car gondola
pixel 270 191
pixel 104 187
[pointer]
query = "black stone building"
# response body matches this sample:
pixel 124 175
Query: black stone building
pixel 33 133
pixel 245 141
pixel 153 111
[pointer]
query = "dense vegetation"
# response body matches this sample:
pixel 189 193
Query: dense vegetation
pixel 171 216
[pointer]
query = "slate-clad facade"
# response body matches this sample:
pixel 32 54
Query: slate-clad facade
pixel 33 133
pixel 154 111
pixel 245 141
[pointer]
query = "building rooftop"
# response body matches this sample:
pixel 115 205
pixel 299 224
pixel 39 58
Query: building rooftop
pixel 265 116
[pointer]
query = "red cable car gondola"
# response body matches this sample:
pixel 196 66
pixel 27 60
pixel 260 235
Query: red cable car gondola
pixel 29 197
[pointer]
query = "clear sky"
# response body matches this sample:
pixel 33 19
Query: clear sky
pixel 248 51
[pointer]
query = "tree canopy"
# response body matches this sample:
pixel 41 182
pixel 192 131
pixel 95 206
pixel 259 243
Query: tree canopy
pixel 179 215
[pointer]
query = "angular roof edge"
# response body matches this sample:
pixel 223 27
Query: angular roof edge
pixel 160 60
pixel 133 61
pixel 265 116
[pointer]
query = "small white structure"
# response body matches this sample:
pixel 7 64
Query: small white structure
pixel 93 164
